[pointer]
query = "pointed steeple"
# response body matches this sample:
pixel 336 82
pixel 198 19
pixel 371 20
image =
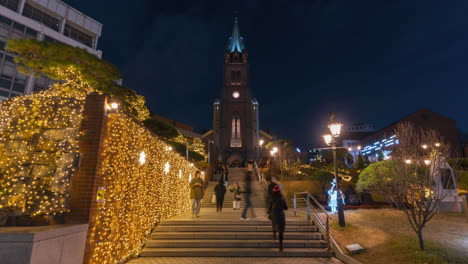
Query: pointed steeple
pixel 236 41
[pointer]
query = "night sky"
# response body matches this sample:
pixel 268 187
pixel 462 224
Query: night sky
pixel 369 61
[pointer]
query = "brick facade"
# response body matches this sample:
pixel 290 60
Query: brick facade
pixel 86 181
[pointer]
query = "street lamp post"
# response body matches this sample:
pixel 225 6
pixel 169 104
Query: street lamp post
pixel 209 150
pixel 273 152
pixel 260 144
pixel 330 139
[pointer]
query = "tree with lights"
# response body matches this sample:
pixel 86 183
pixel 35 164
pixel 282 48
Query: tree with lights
pixel 81 71
pixel 412 178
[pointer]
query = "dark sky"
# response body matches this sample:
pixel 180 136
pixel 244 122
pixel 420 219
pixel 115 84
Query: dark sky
pixel 369 61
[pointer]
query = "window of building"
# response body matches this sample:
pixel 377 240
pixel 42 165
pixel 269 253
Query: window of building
pixel 31 33
pixel 233 75
pixel 10 4
pixel 42 17
pixel 4 93
pixel 20 82
pixel 238 75
pixel 78 35
pixel 5 83
pixel 236 141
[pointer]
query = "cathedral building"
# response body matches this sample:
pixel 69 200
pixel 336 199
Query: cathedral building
pixel 235 137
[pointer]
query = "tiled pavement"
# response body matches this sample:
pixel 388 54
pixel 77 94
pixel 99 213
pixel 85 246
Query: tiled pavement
pixel 208 260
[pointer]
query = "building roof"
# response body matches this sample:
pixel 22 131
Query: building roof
pixel 176 124
pixel 236 41
pixel 265 134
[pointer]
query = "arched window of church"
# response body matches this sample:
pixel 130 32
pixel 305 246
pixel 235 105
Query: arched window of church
pixel 236 141
pixel 238 75
pixel 233 75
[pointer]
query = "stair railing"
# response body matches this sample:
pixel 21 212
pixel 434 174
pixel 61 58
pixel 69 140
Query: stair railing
pixel 314 212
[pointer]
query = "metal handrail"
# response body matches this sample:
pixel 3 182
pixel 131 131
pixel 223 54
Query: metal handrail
pixel 315 201
pixel 323 226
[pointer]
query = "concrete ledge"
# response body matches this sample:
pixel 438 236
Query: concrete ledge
pixel 54 244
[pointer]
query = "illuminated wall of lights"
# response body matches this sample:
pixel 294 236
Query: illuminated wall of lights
pixel 138 194
pixel 38 152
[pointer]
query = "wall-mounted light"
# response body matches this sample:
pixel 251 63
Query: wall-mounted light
pixel 167 166
pixel 142 158
pixel 114 106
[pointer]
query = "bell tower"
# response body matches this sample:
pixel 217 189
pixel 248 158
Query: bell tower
pixel 235 124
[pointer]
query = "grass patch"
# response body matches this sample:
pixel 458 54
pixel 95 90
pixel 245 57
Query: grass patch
pixel 388 238
pixel 406 250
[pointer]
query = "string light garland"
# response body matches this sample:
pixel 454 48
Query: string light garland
pixel 138 196
pixel 39 149
pixel 143 183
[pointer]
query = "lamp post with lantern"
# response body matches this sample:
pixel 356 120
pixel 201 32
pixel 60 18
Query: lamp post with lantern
pixel 330 140
pixel 260 144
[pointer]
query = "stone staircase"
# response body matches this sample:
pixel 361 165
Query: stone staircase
pixel 236 175
pixel 211 238
pixel 225 235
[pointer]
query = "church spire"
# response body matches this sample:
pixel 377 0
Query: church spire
pixel 236 41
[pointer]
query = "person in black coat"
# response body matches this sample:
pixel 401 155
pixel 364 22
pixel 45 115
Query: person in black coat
pixel 220 190
pixel 270 186
pixel 276 214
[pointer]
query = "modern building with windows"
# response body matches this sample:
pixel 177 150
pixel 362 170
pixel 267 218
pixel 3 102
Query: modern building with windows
pixel 381 141
pixel 45 20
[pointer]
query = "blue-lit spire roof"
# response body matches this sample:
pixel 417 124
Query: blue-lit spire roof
pixel 236 42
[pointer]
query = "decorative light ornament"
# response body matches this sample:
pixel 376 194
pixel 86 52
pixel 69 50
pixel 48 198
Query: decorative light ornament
pixel 180 174
pixel 114 106
pixel 167 166
pixel 190 177
pixel 408 161
pixel 437 144
pixel 142 158
pixel 427 162
pixel 235 94
pixel 261 142
pixel 333 197
pixel 424 146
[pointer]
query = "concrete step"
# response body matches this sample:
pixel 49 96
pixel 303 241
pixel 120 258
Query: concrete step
pixel 235 235
pixel 235 252
pixel 230 243
pixel 230 228
pixel 228 222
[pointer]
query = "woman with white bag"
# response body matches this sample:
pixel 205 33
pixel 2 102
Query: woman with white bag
pixel 236 196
